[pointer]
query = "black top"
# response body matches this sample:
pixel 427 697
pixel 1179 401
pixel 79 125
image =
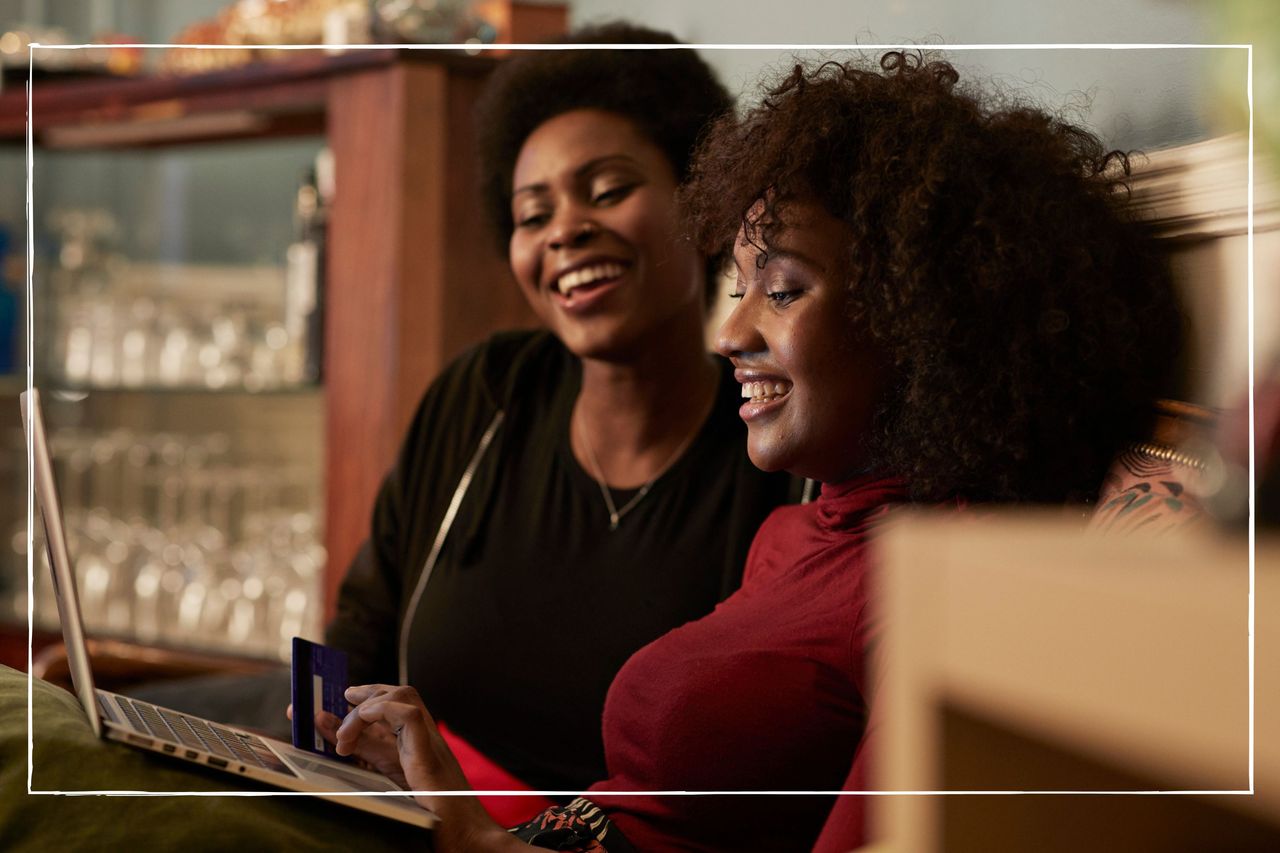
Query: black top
pixel 535 603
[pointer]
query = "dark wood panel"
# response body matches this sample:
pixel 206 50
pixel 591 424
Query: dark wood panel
pixel 362 295
pixel 480 294
pixel 414 278
pixel 419 321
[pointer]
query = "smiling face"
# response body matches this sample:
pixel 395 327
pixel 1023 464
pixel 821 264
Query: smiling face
pixel 810 387
pixel 594 248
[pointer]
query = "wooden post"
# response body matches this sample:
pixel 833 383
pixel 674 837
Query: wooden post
pixel 413 277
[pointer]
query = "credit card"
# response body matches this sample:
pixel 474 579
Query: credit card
pixel 319 681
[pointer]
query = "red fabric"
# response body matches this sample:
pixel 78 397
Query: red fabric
pixel 846 824
pixel 765 693
pixel 484 775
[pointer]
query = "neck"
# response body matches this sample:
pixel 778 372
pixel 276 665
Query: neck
pixel 637 414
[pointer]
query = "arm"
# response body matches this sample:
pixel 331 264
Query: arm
pixel 407 512
pixel 428 765
pixel 368 610
pixel 368 613
pixel 370 598
pixel 846 825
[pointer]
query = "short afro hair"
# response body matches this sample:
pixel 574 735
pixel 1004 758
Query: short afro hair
pixel 1029 319
pixel 671 96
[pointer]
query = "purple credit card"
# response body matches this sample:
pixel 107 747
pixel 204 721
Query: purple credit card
pixel 319 681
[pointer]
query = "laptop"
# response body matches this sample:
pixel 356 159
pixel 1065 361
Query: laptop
pixel 183 736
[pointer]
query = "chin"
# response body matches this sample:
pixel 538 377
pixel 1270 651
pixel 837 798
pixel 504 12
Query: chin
pixel 613 345
pixel 582 341
pixel 764 459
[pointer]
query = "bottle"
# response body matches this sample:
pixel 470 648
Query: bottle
pixel 304 283
pixel 319 231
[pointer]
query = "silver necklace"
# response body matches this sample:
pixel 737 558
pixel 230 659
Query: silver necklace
pixel 616 513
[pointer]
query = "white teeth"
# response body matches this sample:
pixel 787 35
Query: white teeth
pixel 760 391
pixel 587 275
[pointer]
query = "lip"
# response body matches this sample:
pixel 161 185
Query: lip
pixel 579 302
pixel 582 300
pixel 752 411
pixel 583 263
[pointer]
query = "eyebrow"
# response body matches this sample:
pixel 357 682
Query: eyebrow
pixel 786 255
pixel 585 169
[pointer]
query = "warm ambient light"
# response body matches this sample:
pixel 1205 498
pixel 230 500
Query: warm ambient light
pixel 12 42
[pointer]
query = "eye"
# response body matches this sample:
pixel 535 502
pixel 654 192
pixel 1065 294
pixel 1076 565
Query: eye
pixel 736 294
pixel 610 195
pixel 783 297
pixel 532 220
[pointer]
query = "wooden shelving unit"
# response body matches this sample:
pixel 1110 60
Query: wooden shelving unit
pixel 412 276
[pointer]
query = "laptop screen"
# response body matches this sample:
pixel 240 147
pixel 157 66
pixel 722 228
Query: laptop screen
pixel 64 582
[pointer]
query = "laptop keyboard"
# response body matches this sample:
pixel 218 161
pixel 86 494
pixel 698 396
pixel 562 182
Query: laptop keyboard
pixel 195 733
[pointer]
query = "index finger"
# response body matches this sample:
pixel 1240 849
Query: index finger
pixel 359 693
pixel 347 734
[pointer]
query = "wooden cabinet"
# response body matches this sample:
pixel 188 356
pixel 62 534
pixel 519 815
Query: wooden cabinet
pixel 412 275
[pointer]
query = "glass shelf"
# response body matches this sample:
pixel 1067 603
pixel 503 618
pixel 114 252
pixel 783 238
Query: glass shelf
pixel 193 519
pixel 185 413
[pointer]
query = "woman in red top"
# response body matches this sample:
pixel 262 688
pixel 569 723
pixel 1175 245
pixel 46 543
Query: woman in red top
pixel 939 300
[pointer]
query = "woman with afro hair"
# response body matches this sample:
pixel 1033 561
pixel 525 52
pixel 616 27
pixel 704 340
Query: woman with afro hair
pixel 941 299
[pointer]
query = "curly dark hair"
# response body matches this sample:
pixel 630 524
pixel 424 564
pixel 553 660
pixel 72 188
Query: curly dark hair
pixel 1029 320
pixel 672 96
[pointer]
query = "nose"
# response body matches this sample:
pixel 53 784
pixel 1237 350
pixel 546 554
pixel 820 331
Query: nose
pixel 571 230
pixel 739 334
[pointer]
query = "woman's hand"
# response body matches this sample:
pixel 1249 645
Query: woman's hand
pixel 386 716
pixel 376 749
pixel 391 729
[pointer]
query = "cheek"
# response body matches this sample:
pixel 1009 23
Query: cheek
pixel 823 376
pixel 818 421
pixel 655 225
pixel 524 262
pixel 843 403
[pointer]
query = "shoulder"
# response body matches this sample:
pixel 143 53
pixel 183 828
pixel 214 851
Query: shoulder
pixel 510 364
pixel 485 377
pixel 494 366
pixel 465 397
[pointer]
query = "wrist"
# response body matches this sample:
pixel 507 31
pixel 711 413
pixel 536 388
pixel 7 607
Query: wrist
pixel 465 825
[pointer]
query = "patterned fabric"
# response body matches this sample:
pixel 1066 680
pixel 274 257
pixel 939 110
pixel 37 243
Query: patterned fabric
pixel 1142 492
pixel 579 827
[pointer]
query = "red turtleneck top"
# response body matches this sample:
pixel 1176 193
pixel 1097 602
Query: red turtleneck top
pixel 766 693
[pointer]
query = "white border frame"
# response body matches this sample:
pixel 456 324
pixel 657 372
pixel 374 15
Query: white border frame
pixel 474 49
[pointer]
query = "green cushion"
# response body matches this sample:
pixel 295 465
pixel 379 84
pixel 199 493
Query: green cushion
pixel 67 757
